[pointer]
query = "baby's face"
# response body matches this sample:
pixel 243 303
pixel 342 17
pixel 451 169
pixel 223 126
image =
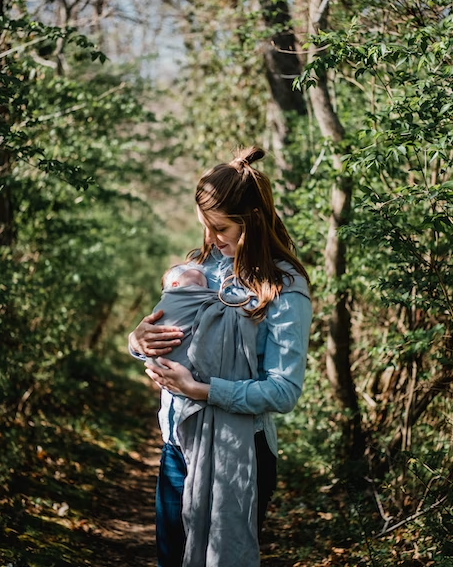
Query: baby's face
pixel 191 277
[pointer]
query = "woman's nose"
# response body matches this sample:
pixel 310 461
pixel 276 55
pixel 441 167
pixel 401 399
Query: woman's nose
pixel 209 236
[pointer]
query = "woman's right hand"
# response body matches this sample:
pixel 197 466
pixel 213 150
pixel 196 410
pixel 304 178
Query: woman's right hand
pixel 154 340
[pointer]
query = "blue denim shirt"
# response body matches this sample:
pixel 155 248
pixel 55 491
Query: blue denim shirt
pixel 282 344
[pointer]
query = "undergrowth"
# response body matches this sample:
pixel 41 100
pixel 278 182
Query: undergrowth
pixel 70 444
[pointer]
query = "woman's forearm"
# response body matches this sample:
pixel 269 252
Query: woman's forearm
pixel 198 391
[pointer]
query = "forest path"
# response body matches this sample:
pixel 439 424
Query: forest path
pixel 125 511
pixel 83 491
pixel 123 514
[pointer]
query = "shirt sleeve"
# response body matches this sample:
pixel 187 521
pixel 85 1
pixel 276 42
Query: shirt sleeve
pixel 285 355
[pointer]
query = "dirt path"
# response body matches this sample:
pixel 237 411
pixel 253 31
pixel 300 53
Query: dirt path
pixel 125 511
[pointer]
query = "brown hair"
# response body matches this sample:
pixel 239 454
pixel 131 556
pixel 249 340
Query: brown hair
pixel 244 194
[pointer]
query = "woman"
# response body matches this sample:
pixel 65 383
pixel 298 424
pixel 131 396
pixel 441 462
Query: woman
pixel 246 244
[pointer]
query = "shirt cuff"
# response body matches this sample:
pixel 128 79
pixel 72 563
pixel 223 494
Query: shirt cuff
pixel 221 393
pixel 137 354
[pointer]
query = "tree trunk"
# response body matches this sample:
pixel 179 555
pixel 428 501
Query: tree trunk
pixel 104 316
pixel 6 204
pixel 282 62
pixel 282 67
pixel 339 334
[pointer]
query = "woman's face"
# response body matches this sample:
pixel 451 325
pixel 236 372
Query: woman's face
pixel 221 231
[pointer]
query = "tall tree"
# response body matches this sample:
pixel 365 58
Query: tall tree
pixel 282 65
pixel 402 218
pixel 6 204
pixel 339 334
pixel 81 147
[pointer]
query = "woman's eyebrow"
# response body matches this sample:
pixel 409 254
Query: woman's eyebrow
pixel 214 227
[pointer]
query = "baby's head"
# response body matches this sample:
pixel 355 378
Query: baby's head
pixel 183 275
pixel 190 277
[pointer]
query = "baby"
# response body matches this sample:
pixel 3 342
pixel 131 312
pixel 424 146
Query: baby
pixel 184 292
pixel 183 275
pixel 184 289
pixel 205 316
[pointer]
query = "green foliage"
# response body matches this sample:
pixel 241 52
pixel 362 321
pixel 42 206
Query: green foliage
pixel 398 155
pixel 22 80
pixel 392 91
pixel 223 82
pixel 93 418
pixel 85 250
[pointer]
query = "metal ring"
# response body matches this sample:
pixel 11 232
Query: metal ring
pixel 222 287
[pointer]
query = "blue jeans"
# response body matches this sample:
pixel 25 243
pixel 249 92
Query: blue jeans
pixel 170 483
pixel 170 535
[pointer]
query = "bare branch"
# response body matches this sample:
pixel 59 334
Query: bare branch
pixel 318 161
pixel 21 47
pixel 297 52
pixel 322 8
pixel 44 62
pixel 410 518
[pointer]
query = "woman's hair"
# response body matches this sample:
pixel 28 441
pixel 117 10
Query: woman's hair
pixel 244 194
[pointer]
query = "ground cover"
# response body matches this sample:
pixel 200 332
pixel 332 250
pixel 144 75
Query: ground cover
pixel 84 493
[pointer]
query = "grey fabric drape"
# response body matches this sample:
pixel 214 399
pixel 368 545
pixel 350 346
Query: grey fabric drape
pixel 220 490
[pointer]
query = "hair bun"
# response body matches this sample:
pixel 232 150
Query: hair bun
pixel 249 155
pixel 240 161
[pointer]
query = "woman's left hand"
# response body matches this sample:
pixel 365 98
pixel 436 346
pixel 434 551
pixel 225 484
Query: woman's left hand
pixel 177 379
